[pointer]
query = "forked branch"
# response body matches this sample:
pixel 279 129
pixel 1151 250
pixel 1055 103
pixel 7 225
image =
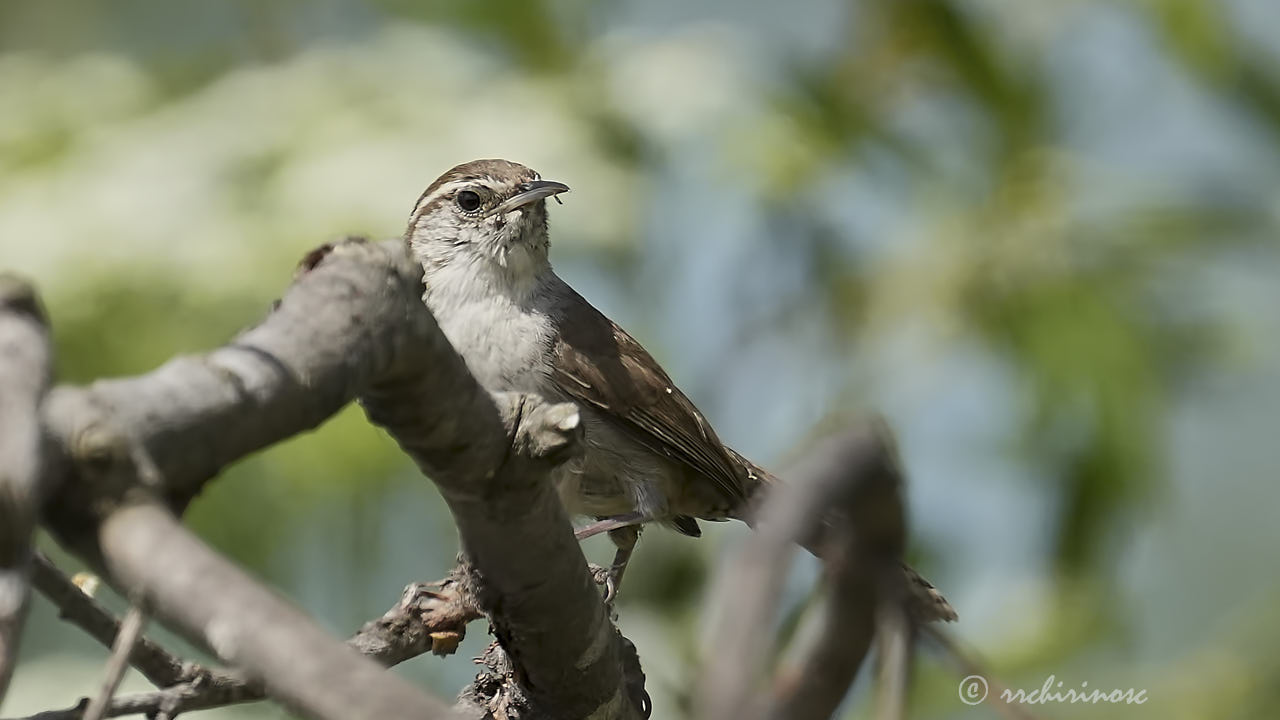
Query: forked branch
pixel 847 494
pixel 126 453
pixel 429 617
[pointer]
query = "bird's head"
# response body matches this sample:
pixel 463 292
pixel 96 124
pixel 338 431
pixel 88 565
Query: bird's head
pixel 491 212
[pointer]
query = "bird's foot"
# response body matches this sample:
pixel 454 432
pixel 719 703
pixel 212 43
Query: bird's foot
pixel 599 574
pixel 608 579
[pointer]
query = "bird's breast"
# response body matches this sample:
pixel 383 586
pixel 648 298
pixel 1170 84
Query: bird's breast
pixel 505 347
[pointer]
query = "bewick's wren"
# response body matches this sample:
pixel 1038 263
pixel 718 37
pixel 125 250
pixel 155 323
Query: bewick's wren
pixel 480 231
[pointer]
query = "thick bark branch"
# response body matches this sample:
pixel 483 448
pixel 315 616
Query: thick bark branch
pixel 855 485
pixel 352 325
pixel 120 443
pixel 352 318
pixel 531 574
pixel 24 377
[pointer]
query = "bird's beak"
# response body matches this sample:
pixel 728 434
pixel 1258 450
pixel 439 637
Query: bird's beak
pixel 529 192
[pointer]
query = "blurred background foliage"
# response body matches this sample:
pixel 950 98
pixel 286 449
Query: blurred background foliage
pixel 1038 235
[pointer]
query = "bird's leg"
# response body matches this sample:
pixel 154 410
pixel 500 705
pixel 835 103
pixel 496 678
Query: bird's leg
pixel 624 531
pixel 625 538
pixel 609 524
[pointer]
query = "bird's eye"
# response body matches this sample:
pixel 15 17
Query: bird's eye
pixel 468 200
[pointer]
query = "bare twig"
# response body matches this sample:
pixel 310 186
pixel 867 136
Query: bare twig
pixel 202 692
pixel 857 476
pixel 202 595
pixel 126 637
pixel 428 617
pixel 24 377
pixel 81 610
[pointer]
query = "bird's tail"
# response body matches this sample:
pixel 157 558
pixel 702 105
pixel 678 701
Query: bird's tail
pixel 925 602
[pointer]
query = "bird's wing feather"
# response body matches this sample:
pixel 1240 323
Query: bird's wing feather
pixel 597 363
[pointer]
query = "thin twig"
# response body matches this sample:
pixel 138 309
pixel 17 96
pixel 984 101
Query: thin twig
pixel 429 617
pixel 130 631
pixel 154 662
pixel 214 603
pixel 188 696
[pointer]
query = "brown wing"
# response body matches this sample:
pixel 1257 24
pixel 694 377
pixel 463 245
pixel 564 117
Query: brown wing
pixel 630 388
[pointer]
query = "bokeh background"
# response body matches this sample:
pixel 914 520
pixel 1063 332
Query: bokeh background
pixel 1038 235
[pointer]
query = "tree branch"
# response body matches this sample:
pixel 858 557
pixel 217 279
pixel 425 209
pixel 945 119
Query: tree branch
pixel 353 317
pixel 206 598
pixel 81 610
pixel 353 324
pixel 853 483
pixel 203 691
pixel 565 656
pixel 122 442
pixel 135 621
pixel 428 617
pixel 25 362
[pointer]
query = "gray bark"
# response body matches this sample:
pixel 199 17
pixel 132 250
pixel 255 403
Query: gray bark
pixel 118 460
pixel 127 452
pixel 429 617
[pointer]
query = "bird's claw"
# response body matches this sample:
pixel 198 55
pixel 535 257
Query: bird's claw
pixel 610 589
pixel 599 574
pixel 605 577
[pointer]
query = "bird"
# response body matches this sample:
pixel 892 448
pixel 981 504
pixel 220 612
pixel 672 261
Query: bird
pixel 480 232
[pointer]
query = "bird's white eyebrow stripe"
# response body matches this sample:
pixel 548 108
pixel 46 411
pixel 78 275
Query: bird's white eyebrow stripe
pixel 445 189
pixel 487 181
